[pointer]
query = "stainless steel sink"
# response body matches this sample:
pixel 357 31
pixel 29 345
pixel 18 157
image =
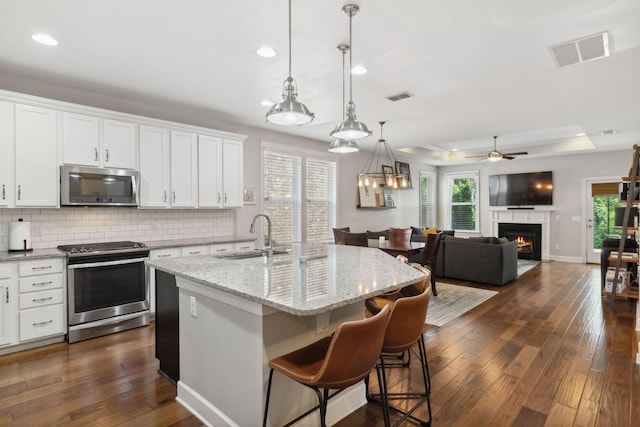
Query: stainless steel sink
pixel 251 254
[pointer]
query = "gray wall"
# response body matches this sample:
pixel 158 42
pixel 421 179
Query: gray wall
pixel 568 195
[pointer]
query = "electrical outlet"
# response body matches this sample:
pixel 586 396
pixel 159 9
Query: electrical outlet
pixel 193 306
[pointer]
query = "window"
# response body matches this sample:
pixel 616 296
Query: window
pixel 606 199
pixel 427 214
pixel 463 201
pixel 299 189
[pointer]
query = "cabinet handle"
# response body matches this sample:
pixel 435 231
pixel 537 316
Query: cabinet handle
pixel 218 197
pixel 3 192
pixel 164 256
pixel 194 253
pixel 42 299
pixel 225 197
pixel 44 267
pixel 245 247
pixel 221 250
pixel 7 295
pixel 95 154
pixel 164 196
pixel 42 323
pixel 42 283
pixel 107 152
pixel 19 191
pixel 174 197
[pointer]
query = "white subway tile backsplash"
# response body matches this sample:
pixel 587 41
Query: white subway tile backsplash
pixel 53 227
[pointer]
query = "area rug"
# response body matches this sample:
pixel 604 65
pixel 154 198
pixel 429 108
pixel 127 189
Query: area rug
pixel 453 301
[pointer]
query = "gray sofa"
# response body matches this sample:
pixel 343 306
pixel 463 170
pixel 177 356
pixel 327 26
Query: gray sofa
pixel 478 259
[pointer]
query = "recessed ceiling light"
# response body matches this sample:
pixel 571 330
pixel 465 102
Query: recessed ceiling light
pixel 45 39
pixel 266 103
pixel 266 52
pixel 454 149
pixel 359 70
pixel 581 134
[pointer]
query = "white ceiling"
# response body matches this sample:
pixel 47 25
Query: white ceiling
pixel 476 68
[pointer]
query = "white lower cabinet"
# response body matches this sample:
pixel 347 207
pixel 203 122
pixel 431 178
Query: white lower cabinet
pixel 8 303
pixel 195 250
pixel 221 248
pixel 42 299
pixel 151 272
pixel 244 246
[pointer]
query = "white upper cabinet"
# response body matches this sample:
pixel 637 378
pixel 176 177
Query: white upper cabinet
pixel 220 172
pixel 168 168
pixel 184 169
pixel 119 144
pixel 36 166
pixel 6 154
pixel 154 167
pixel 92 141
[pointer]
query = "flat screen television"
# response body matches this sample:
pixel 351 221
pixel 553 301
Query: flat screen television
pixel 521 189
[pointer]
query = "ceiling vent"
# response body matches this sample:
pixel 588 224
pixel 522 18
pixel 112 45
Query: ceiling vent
pixel 399 96
pixel 581 50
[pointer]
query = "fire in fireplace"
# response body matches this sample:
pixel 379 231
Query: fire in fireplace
pixel 528 237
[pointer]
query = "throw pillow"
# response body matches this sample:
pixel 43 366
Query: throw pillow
pixel 429 231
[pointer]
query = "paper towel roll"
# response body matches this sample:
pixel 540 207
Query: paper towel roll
pixel 20 236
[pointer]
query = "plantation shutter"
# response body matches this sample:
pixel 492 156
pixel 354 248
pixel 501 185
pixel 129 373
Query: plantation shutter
pixel 291 178
pixel 427 217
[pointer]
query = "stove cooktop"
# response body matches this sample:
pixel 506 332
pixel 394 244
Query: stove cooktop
pixel 84 248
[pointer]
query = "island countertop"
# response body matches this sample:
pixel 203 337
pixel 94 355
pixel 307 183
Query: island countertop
pixel 308 280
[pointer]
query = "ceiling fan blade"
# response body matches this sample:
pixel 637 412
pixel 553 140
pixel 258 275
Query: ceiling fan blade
pixel 519 153
pixel 475 157
pixel 504 156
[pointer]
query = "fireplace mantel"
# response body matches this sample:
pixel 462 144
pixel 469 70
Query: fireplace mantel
pixel 526 216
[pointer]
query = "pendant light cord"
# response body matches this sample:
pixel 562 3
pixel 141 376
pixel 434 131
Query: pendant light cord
pixel 289 39
pixel 343 84
pixel 350 60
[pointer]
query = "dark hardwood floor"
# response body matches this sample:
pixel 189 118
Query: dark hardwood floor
pixel 545 351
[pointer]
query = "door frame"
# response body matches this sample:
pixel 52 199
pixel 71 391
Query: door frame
pixel 586 196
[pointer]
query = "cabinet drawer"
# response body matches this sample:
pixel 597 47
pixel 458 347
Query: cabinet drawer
pixel 41 322
pixel 7 270
pixel 218 249
pixel 244 246
pixel 165 253
pixel 37 299
pixel 40 283
pixel 195 250
pixel 44 266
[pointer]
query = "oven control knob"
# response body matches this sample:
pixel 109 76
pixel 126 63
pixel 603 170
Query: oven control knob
pixel 73 250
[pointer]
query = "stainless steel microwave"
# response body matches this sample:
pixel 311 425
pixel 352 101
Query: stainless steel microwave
pixel 89 186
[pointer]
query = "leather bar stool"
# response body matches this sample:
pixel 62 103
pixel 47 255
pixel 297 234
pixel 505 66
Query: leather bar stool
pixel 403 332
pixel 429 256
pixel 374 304
pixel 335 362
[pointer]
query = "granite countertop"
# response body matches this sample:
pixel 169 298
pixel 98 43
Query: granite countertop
pixel 308 280
pixel 176 243
pixel 31 255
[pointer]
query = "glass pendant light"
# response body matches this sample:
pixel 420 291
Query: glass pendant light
pixel 342 146
pixel 350 127
pixel 289 111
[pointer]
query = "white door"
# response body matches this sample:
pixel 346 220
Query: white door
pixel 8 303
pixel 119 149
pixel 184 169
pixel 36 157
pixel 154 167
pixel 6 154
pixel 80 139
pixel 233 173
pixel 599 222
pixel 210 164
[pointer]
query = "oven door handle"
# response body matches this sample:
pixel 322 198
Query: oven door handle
pixel 107 263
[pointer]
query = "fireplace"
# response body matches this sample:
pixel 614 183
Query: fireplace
pixel 528 236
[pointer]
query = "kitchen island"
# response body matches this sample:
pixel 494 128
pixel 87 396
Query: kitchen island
pixel 235 314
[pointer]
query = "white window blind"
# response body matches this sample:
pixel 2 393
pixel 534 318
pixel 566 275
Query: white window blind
pixel 427 214
pixel 289 178
pixel 463 201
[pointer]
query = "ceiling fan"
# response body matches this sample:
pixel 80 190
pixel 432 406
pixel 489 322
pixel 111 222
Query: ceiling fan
pixel 495 155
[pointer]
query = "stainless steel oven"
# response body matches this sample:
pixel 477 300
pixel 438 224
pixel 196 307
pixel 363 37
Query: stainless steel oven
pixel 107 288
